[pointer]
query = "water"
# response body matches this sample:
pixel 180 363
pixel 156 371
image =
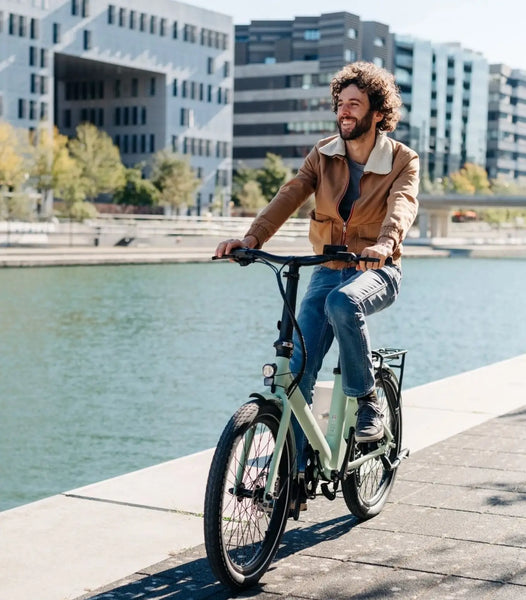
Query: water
pixel 105 370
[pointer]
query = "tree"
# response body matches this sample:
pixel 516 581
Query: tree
pixel 14 153
pixel 471 179
pixel 250 197
pixel 273 175
pixel 136 190
pixel 175 179
pixel 99 160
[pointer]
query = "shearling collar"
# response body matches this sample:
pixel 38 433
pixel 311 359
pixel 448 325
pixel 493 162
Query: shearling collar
pixel 380 160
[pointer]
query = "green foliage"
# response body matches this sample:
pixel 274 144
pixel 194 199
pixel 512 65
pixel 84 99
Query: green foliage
pixel 136 190
pixel 16 205
pixel 14 156
pixel 80 211
pixel 250 197
pixel 272 176
pixel 99 160
pixel 471 179
pixel 175 179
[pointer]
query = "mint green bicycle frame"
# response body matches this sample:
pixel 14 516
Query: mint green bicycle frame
pixel 330 448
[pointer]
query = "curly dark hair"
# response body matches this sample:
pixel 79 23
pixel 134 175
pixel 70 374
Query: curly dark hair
pixel 378 84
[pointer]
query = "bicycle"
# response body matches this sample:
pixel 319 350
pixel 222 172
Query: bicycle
pixel 254 484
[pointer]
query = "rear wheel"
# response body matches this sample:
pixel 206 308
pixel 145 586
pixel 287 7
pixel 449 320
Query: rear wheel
pixel 366 489
pixel 242 535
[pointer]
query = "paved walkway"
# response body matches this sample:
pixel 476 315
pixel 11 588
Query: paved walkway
pixel 455 527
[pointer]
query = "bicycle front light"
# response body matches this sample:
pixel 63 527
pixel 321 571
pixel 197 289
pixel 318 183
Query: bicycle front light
pixel 269 370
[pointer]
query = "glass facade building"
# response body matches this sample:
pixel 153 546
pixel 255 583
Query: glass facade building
pixel 445 92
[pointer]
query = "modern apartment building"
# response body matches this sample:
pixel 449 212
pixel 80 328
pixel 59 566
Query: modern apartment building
pixel 153 74
pixel 283 70
pixel 445 93
pixel 506 155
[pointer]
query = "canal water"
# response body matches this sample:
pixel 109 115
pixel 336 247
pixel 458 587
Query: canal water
pixel 105 370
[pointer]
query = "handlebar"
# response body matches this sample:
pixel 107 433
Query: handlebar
pixel 246 256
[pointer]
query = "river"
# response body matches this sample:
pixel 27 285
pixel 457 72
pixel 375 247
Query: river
pixel 105 370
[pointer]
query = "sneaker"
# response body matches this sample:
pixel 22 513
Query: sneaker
pixel 369 426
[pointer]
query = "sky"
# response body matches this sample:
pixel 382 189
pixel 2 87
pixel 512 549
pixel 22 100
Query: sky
pixel 496 28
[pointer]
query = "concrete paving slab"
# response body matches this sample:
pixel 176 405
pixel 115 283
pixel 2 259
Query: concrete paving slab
pixel 173 485
pixel 61 547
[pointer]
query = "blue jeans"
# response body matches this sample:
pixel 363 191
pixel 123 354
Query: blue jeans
pixel 335 306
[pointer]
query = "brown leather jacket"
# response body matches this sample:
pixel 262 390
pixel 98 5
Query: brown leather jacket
pixel 386 207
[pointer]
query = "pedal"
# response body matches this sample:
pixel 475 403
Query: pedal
pixel 391 466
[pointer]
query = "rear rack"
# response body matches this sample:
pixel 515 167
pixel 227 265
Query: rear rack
pixel 395 359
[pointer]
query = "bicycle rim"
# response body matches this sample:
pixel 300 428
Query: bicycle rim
pixel 365 490
pixel 241 534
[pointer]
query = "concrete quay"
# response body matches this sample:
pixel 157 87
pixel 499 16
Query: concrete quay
pixel 454 527
pixel 192 249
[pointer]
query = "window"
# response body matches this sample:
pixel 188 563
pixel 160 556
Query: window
pixel 379 42
pixel 174 87
pixel 143 115
pixel 379 62
pixel 226 69
pixel 22 26
pixel 33 29
pixel 135 115
pixel 133 19
pixel 117 88
pixel 117 116
pixel 352 34
pixel 142 22
pixel 126 116
pixel 134 87
pixel 152 86
pixel 210 66
pixel 75 7
pixel 33 83
pixel 12 23
pixel 85 8
pixel 87 39
pixel 174 30
pixel 111 14
pixel 32 56
pixel 44 58
pixel 189 33
pixel 311 34
pixel 22 108
pixel 152 142
pixel 162 27
pixel 122 17
pixel 43 111
pixel 153 24
pixel 349 55
pixel 186 117
pixel 56 33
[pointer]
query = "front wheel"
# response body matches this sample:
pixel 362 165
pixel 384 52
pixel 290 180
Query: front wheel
pixel 366 489
pixel 241 533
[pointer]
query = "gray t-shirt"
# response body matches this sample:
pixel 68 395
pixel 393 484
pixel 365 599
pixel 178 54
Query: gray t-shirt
pixel 353 189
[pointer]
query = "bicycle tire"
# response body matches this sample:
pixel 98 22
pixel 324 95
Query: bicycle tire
pixel 242 537
pixel 366 489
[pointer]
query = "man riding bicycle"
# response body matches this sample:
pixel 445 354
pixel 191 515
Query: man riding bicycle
pixel 365 186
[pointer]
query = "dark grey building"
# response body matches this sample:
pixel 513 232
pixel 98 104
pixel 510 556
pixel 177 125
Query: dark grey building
pixel 281 89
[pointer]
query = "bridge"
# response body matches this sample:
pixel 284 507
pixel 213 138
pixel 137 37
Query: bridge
pixel 435 211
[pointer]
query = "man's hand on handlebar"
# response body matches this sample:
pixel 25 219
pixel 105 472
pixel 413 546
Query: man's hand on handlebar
pixel 380 251
pixel 226 247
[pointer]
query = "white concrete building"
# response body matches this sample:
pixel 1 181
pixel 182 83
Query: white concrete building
pixel 153 74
